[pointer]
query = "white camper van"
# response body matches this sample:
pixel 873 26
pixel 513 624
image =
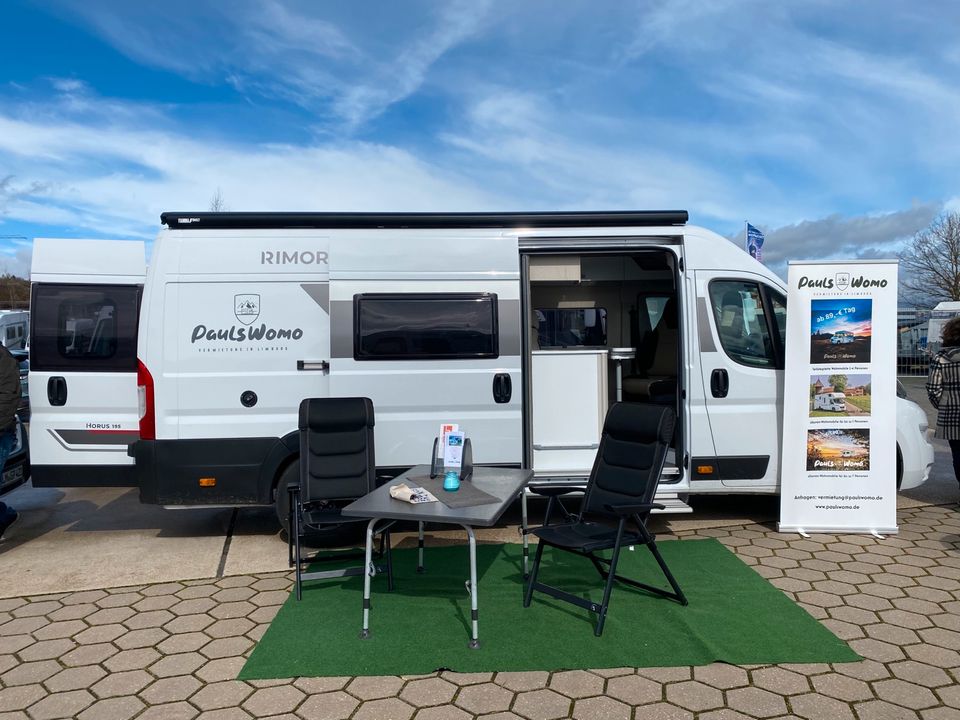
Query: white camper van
pixel 522 328
pixel 832 401
pixel 14 328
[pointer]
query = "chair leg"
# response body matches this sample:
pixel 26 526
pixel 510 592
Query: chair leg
pixel 295 531
pixel 611 578
pixel 652 545
pixel 533 574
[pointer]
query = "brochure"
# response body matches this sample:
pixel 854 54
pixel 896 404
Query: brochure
pixel 453 449
pixel 413 495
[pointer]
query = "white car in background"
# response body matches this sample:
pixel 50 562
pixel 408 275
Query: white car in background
pixel 914 450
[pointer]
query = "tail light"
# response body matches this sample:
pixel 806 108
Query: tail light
pixel 145 406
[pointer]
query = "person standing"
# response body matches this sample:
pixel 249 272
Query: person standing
pixel 9 402
pixel 943 389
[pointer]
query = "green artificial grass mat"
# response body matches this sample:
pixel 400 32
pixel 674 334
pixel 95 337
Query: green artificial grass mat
pixel 734 616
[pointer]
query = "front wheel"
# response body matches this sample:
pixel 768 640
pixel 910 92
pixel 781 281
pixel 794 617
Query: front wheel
pixel 899 467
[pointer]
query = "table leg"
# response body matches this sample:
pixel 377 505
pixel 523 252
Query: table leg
pixel 474 640
pixel 420 547
pixel 619 381
pixel 367 573
pixel 523 532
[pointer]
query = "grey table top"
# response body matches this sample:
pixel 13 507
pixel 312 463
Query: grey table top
pixel 503 483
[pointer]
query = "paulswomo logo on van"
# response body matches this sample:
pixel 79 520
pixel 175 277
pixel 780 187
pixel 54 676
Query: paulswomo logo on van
pixel 246 308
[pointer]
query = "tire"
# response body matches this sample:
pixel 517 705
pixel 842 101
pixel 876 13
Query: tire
pixel 899 467
pixel 337 535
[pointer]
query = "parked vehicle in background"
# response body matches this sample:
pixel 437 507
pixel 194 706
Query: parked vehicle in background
pixel 23 359
pixel 16 471
pixel 938 318
pixel 14 328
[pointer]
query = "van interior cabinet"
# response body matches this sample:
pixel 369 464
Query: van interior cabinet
pixel 569 403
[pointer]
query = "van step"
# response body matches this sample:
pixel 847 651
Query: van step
pixel 672 505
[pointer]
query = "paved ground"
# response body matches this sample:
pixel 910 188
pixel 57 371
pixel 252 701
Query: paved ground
pixel 170 650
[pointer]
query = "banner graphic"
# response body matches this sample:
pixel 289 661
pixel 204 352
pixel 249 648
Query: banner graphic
pixel 838 471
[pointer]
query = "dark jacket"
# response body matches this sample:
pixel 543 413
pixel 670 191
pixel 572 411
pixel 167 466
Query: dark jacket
pixel 943 389
pixel 9 388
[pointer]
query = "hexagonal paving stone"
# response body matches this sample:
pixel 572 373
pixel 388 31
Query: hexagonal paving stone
pixel 170 711
pixel 634 690
pixel 694 695
pixel 920 673
pixel 841 687
pixel 75 678
pixel 819 707
pixel 519 681
pixel 132 659
pixel 152 619
pixel 428 691
pixel 120 708
pixel 880 710
pixel 721 676
pixel 180 664
pixel 756 702
pixel 904 693
pixel 662 711
pixel 62 705
pixel 61 629
pixel 384 709
pixel 484 698
pixel 328 706
pixel 372 688
pixel 448 712
pixel 129 682
pixel 226 647
pixel 600 708
pixel 541 705
pixel 222 669
pixel 227 693
pixel 89 655
pixel 171 689
pixel 576 683
pixel 141 638
pixel 273 700
pixel 47 649
pixel 100 634
pixel 30 672
pixel 229 628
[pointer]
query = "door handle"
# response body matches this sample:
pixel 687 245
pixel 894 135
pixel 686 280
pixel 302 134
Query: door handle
pixel 321 365
pixel 719 383
pixel 502 388
pixel 57 390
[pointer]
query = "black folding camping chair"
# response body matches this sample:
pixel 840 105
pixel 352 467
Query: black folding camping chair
pixel 337 466
pixel 622 484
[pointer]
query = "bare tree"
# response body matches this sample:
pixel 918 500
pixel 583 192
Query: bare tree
pixel 930 263
pixel 217 203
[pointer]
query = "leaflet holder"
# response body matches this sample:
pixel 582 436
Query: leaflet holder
pixel 466 466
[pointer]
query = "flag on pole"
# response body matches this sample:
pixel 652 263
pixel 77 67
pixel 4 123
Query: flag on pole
pixel 754 242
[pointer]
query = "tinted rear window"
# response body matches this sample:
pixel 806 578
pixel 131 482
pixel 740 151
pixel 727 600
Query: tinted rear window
pixel 91 328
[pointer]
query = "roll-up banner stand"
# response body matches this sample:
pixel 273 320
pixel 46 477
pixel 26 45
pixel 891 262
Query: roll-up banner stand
pixel 839 462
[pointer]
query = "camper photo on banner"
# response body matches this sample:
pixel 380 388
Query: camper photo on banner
pixel 839 429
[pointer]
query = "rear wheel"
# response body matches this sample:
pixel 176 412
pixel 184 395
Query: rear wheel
pixel 336 535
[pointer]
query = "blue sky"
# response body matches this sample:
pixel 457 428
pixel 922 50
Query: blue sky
pixel 832 127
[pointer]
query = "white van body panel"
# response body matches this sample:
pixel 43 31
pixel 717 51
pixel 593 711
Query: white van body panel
pixel 224 281
pixel 98 419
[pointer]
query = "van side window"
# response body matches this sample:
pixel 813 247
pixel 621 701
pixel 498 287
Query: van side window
pixel 85 327
pixel 739 313
pixel 425 326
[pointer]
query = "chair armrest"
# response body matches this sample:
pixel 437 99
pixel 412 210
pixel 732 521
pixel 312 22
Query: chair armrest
pixel 555 490
pixel 633 509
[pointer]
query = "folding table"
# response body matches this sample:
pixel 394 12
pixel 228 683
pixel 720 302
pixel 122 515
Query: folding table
pixel 504 484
